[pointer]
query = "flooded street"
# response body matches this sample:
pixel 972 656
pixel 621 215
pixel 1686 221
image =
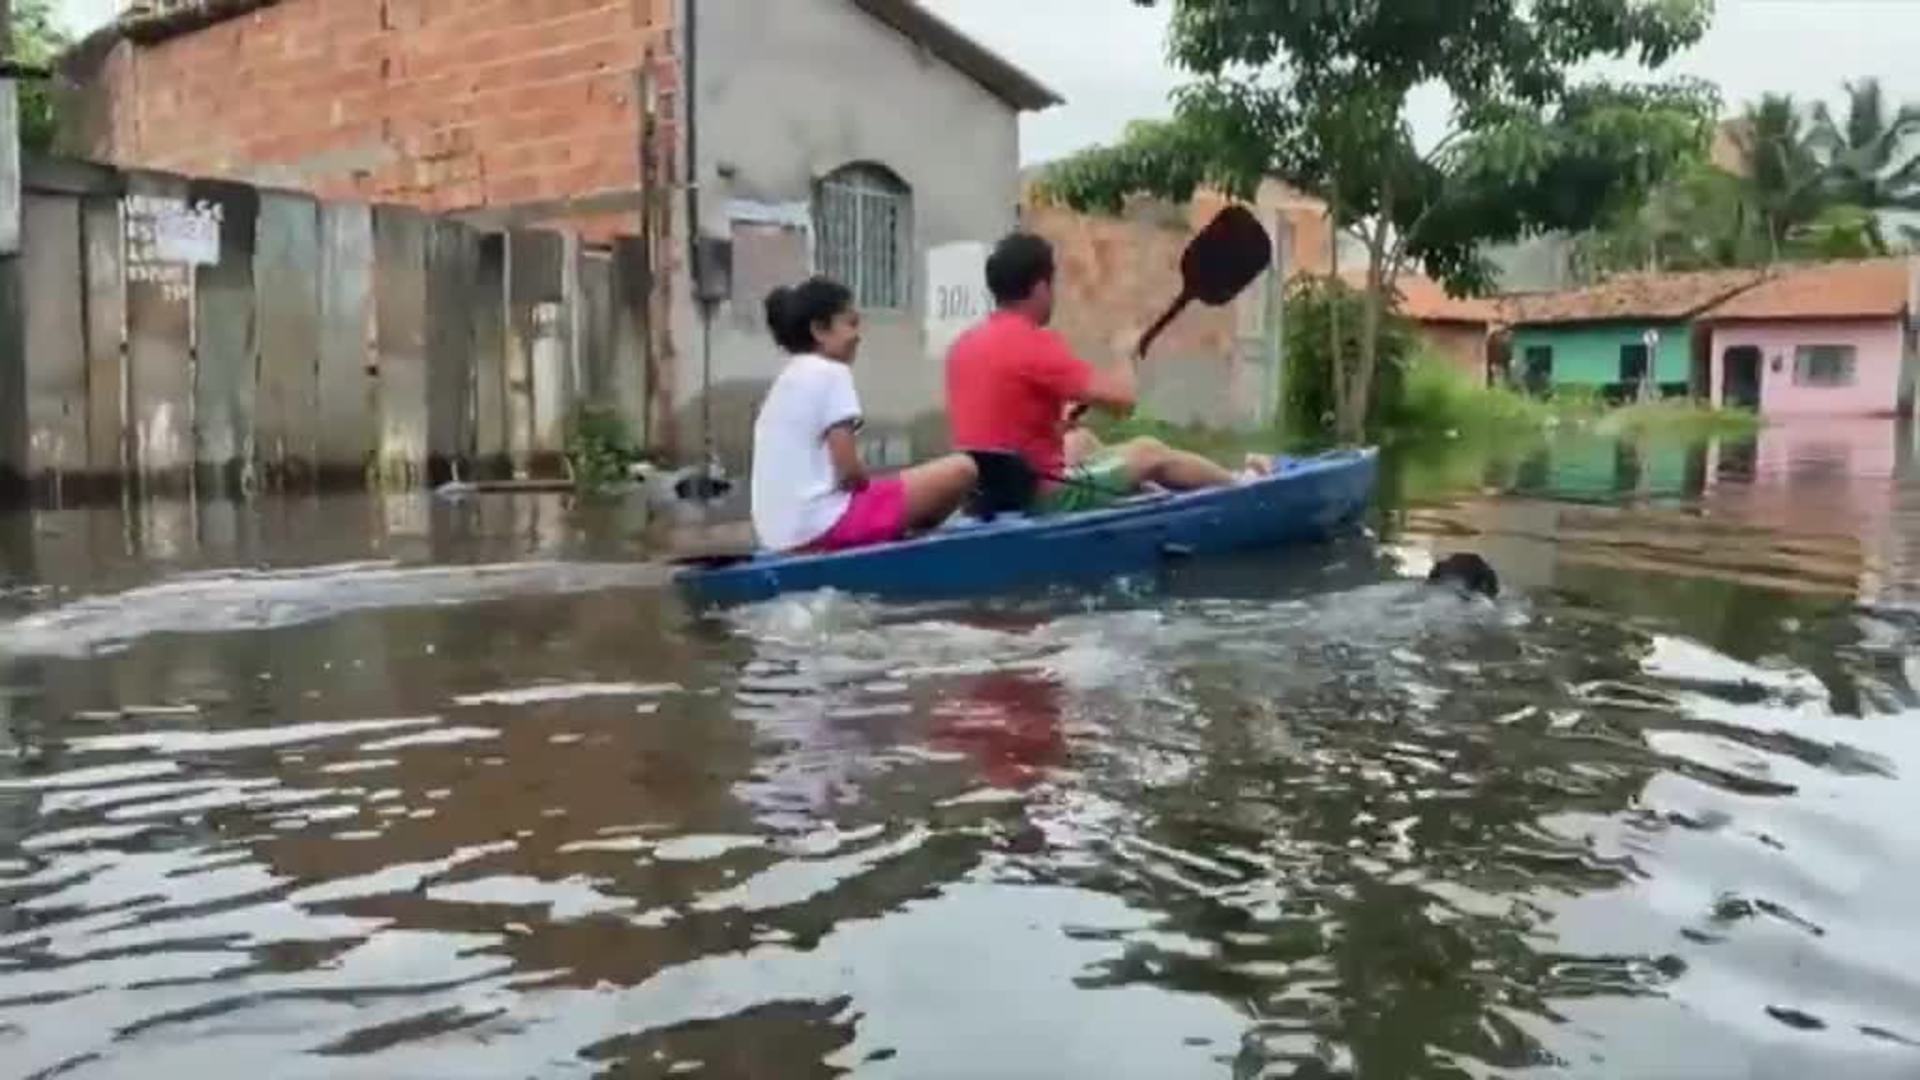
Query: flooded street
pixel 353 788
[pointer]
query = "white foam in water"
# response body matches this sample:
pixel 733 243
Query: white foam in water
pixel 806 618
pixel 436 737
pixel 846 639
pixel 1677 658
pixel 573 898
pixel 701 848
pixel 540 695
pixel 201 742
pixel 235 600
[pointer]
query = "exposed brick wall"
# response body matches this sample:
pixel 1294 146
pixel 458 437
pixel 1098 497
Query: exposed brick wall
pixel 1117 274
pixel 1464 345
pixel 441 104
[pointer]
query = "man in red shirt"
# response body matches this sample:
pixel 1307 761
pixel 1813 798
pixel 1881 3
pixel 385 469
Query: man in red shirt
pixel 1012 384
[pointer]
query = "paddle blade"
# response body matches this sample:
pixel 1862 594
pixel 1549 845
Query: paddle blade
pixel 1226 257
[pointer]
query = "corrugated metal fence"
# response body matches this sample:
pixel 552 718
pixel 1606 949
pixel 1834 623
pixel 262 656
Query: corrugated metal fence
pixel 186 334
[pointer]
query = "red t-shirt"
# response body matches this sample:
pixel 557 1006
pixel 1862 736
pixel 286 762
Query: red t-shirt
pixel 1008 382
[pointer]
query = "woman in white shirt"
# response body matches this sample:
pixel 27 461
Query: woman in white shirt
pixel 811 492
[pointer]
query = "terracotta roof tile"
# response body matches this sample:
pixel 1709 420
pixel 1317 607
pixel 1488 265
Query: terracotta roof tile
pixel 1631 296
pixel 1425 300
pixel 1868 288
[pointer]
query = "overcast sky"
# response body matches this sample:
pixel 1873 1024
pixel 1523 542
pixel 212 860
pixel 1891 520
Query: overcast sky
pixel 1105 56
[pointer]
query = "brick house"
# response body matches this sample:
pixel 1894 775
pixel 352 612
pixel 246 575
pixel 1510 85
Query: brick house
pixel 851 137
pixel 1459 330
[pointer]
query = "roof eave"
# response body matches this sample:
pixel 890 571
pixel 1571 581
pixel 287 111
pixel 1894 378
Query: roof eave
pixel 148 27
pixel 1798 316
pixel 995 73
pixel 1599 320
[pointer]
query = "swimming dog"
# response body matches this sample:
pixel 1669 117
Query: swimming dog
pixel 1467 574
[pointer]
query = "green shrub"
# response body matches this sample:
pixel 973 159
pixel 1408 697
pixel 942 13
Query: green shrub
pixel 37 40
pixel 1435 398
pixel 1578 403
pixel 600 448
pixel 1308 335
pixel 1678 418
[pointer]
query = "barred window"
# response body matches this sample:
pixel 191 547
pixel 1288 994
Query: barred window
pixel 863 234
pixel 1823 365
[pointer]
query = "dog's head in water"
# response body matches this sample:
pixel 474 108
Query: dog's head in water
pixel 1467 574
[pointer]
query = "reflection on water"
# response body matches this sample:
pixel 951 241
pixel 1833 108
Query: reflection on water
pixel 411 789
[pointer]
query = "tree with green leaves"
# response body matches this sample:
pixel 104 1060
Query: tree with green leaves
pixel 1784 179
pixel 1699 219
pixel 1316 92
pixel 1806 187
pixel 37 41
pixel 1873 161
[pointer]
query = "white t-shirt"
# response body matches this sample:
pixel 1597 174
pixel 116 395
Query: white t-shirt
pixel 796 495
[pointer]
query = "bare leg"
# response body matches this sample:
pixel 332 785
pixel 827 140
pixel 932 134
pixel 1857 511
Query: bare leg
pixel 1081 444
pixel 938 488
pixel 1152 461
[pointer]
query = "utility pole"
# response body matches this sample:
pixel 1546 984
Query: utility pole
pixel 13 377
pixel 9 139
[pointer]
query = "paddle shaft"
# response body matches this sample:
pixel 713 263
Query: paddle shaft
pixel 1153 332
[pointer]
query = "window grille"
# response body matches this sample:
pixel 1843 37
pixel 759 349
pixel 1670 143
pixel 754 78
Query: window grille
pixel 863 232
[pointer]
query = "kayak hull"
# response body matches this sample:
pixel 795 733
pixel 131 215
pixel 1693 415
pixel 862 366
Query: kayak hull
pixel 1307 499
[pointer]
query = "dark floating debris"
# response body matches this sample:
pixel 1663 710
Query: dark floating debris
pixel 1731 908
pixel 1887 1036
pixel 1794 1018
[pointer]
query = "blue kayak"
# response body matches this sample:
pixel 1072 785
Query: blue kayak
pixel 1305 499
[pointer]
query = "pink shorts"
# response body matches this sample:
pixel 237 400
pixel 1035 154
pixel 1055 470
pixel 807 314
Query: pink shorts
pixel 877 514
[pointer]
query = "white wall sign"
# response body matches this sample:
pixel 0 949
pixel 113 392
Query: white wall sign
pixel 957 294
pixel 192 237
pixel 167 238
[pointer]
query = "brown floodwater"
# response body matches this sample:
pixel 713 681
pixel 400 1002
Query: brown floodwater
pixel 427 788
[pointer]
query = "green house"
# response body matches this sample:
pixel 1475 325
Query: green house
pixel 1616 337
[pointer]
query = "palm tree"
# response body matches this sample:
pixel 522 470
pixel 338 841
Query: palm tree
pixel 1785 180
pixel 1873 162
pixel 1805 186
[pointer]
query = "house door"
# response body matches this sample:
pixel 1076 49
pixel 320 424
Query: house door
pixel 1537 370
pixel 1634 360
pixel 1740 377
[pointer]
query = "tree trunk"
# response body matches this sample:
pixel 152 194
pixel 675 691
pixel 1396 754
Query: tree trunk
pixel 1336 359
pixel 1371 307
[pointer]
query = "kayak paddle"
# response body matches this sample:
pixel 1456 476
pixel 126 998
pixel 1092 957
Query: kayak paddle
pixel 1218 265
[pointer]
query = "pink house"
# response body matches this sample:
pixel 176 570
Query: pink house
pixel 1833 339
